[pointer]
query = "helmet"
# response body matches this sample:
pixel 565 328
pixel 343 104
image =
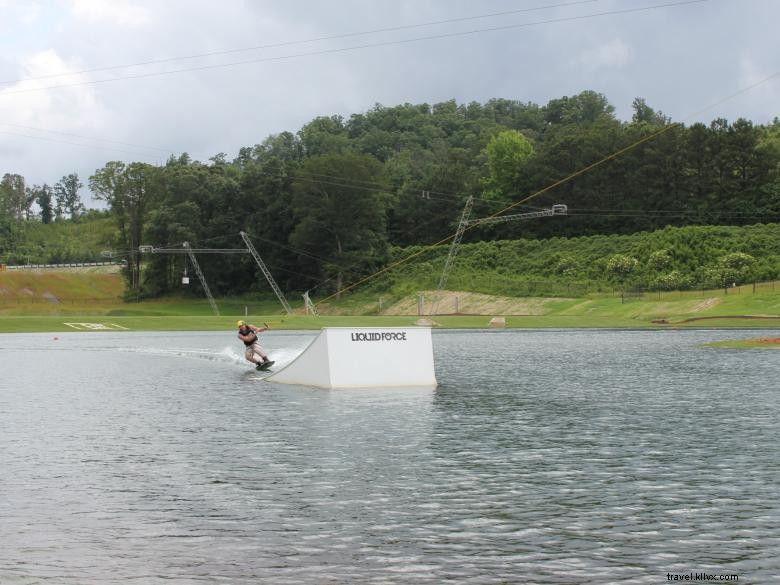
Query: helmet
pixel 240 323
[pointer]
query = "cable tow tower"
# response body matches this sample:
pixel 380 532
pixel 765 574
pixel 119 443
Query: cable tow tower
pixel 465 223
pixel 266 273
pixel 202 278
pixel 189 251
pixel 558 209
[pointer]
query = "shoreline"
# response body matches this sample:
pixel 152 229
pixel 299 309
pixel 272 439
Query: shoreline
pixel 98 323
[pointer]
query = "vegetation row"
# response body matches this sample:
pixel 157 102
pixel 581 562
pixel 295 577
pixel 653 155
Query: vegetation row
pixel 672 258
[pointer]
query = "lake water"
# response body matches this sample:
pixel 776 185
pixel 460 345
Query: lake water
pixel 542 457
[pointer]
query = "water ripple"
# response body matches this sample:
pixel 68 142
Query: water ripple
pixel 555 457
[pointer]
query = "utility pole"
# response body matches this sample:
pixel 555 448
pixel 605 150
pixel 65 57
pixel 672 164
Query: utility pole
pixel 267 273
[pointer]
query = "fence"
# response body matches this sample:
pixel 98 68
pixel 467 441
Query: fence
pixel 511 287
pixel 637 293
pixel 7 300
pixel 64 265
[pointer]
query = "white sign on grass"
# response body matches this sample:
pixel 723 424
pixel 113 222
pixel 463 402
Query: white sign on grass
pixel 96 326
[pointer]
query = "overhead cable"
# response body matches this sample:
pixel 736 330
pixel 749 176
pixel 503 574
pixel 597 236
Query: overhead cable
pixel 297 42
pixel 355 47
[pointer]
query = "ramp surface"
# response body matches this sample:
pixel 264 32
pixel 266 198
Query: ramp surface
pixel 364 357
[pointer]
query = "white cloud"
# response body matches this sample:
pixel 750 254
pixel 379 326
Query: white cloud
pixel 614 54
pixel 72 109
pixel 679 59
pixel 764 87
pixel 750 71
pixel 121 12
pixel 17 12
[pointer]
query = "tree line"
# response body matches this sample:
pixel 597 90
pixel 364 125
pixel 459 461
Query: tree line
pixel 21 203
pixel 326 204
pixel 62 200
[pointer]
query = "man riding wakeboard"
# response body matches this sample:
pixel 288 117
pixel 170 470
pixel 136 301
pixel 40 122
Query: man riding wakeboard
pixel 254 351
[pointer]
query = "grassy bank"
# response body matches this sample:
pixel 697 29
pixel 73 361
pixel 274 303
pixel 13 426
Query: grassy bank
pixel 54 301
pixel 57 324
pixel 72 323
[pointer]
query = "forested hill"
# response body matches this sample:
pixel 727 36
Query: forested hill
pixel 328 201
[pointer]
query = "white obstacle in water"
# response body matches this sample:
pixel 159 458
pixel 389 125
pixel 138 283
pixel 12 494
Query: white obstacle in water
pixel 365 357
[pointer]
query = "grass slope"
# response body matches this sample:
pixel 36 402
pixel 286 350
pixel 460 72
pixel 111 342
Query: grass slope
pixel 54 292
pixel 758 311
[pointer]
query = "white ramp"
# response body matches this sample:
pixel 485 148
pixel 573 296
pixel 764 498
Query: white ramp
pixel 364 357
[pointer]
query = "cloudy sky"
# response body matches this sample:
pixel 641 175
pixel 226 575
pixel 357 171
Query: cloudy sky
pixel 83 82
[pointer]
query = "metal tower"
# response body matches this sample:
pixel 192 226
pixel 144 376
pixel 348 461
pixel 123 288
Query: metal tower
pixel 310 307
pixel 558 209
pixel 202 278
pixel 267 274
pixel 464 220
pixel 190 252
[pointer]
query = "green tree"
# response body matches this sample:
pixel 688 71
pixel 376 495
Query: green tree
pixel 43 196
pixel 507 153
pixel 266 188
pixel 66 194
pixel 129 191
pixel 660 260
pixel 323 136
pixel 699 170
pixel 284 146
pixel 8 237
pixel 736 267
pixel 645 114
pixel 673 280
pixel 430 188
pixel 567 149
pixel 342 224
pixel 201 204
pixel 567 265
pixel 584 108
pixel 167 224
pixel 109 184
pixel 621 265
pixel 13 197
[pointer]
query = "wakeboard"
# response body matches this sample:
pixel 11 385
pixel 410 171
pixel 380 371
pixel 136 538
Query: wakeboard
pixel 264 366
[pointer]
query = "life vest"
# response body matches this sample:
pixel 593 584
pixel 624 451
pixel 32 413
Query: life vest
pixel 250 332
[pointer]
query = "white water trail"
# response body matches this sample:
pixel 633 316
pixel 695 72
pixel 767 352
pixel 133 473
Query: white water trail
pixel 227 355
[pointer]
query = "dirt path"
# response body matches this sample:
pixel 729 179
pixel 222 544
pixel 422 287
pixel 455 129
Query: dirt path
pixel 459 302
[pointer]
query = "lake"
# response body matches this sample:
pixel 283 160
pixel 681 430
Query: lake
pixel 543 456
